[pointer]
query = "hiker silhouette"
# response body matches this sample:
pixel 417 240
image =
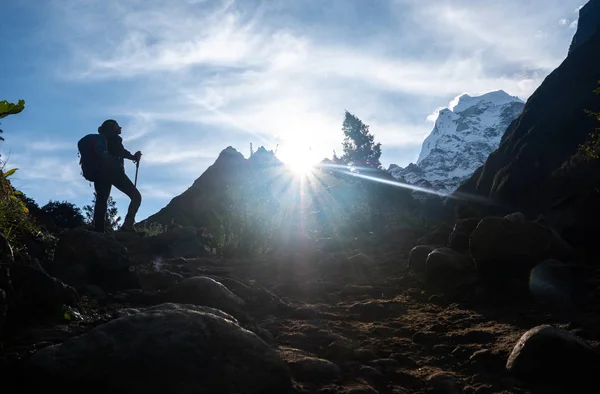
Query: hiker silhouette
pixel 112 173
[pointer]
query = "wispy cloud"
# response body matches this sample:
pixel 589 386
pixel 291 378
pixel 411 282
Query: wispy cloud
pixel 190 77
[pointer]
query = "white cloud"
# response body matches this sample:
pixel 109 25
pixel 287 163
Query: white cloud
pixel 574 24
pixel 205 75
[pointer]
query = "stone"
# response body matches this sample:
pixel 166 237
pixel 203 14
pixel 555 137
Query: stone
pixel 404 361
pixel 312 369
pixel 439 236
pixel 385 365
pixel 554 282
pixel 553 356
pixel 505 250
pixel 163 349
pixel 459 238
pixel 442 383
pixel 446 268
pixel 516 217
pixel 158 280
pixel 39 292
pixel 201 290
pixel 370 373
pixel 92 249
pixel 417 259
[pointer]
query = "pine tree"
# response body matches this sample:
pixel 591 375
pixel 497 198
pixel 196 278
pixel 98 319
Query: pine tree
pixel 359 147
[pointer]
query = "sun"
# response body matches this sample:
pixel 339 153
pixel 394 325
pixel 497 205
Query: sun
pixel 300 160
pixel 301 166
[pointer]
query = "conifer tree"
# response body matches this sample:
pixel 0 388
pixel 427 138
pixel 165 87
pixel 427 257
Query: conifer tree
pixel 360 150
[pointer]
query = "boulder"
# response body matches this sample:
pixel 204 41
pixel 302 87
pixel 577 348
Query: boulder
pixel 446 268
pixel 505 250
pixel 158 280
pixel 40 293
pixel 164 349
pixel 556 283
pixel 442 383
pixel 439 236
pixel 255 297
pixel 201 290
pixel 92 249
pixel 516 217
pixel 554 357
pixel 417 259
pixel 314 369
pixel 459 238
pixel 86 257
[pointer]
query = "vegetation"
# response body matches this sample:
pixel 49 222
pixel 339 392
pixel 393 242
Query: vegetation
pixel 360 150
pixel 591 148
pixel 63 214
pixel 113 219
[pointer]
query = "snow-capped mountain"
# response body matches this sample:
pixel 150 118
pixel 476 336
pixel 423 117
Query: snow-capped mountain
pixel 463 137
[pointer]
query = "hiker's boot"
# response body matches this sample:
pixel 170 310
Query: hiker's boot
pixel 128 225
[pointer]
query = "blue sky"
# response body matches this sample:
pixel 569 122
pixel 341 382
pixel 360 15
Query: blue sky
pixel 187 78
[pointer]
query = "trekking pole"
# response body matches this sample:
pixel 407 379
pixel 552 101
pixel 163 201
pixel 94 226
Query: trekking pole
pixel 137 167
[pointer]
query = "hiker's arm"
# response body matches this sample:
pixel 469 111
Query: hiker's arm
pixel 124 152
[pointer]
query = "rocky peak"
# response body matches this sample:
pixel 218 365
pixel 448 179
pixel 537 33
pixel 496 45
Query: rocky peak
pixel 589 22
pixel 464 134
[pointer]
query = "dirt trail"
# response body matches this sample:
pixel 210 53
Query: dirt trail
pixel 358 321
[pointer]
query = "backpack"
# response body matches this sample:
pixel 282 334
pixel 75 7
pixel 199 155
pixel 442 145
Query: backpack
pixel 92 148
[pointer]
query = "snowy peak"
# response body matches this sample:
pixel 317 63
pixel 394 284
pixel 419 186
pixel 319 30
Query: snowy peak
pixel 499 97
pixel 462 138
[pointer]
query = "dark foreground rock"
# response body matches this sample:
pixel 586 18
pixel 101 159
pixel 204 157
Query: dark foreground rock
pixel 504 249
pixel 201 290
pixel 164 349
pixel 85 257
pixel 554 357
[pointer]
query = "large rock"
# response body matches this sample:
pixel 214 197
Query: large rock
pixel 554 357
pixel 449 269
pixel 92 249
pixel 417 259
pixel 39 292
pixel 85 257
pixel 158 280
pixel 164 350
pixel 459 238
pixel 201 290
pixel 439 236
pixel 559 284
pixel 504 249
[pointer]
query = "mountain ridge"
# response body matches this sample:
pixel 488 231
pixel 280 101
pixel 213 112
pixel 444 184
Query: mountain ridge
pixel 464 134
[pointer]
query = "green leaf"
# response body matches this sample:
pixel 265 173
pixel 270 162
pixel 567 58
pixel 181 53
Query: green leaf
pixel 10 172
pixel 7 108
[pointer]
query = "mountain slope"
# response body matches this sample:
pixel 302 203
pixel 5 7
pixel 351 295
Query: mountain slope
pixel 461 140
pixel 194 206
pixel 537 168
pixel 589 19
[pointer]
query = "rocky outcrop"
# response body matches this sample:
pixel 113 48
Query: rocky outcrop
pixel 201 290
pixel 537 168
pixel 165 349
pixel 507 250
pixel 555 358
pixel 85 257
pixel 462 138
pixel 589 20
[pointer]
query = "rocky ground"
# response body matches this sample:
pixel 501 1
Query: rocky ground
pixel 320 319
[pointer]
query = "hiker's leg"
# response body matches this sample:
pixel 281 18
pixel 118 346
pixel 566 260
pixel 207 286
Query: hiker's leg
pixel 122 182
pixel 102 188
